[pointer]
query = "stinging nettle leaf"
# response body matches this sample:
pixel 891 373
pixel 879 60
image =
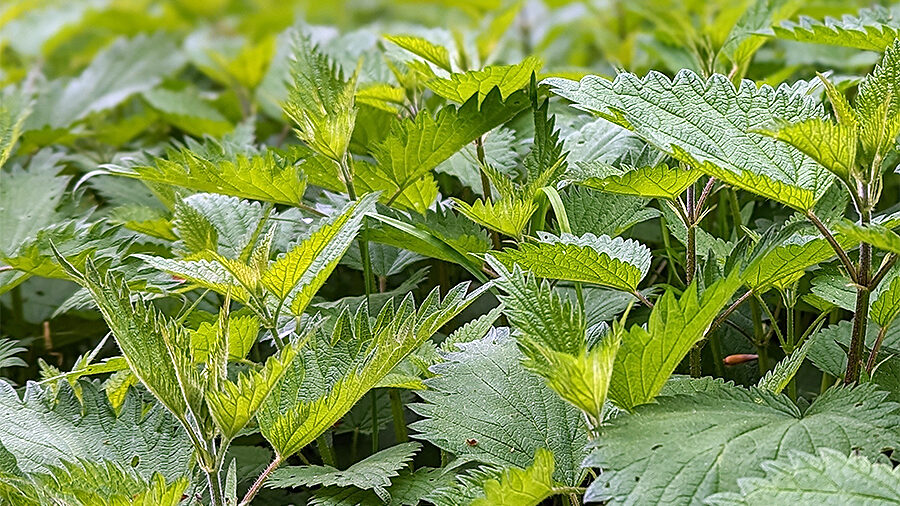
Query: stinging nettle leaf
pixel 872 30
pixel 684 448
pixel 647 357
pixel 613 262
pixel 460 87
pixel 709 124
pixel 483 395
pixel 826 477
pixel 657 181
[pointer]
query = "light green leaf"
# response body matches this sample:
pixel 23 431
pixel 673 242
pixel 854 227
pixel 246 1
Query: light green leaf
pixel 878 236
pixel 647 357
pixel 613 262
pixel 785 260
pixel 357 357
pixel 90 483
pixel 187 111
pixel 236 402
pixel 15 106
pixel 710 126
pixel 777 378
pixel 460 87
pixel 872 30
pixel 373 472
pixel 321 101
pixel 507 215
pixel 416 146
pixel 831 144
pixel 521 487
pixel 156 348
pixel 886 299
pixel 300 273
pixel 657 181
pixel 483 405
pixel 828 477
pixel 683 448
pixel 422 48
pixel 877 105
pixel 267 176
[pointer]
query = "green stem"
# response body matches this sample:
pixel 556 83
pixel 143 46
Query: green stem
pixel 861 312
pixel 485 183
pixel 399 418
pixel 325 443
pixel 690 269
pixel 215 488
pixel 374 422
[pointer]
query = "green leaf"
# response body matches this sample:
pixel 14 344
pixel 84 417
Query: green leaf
pixel 683 448
pixel 460 87
pixel 413 147
pixel 483 405
pixel 657 181
pixel 188 112
pixel 647 357
pixel 552 334
pixel 156 348
pixel 521 487
pixel 877 105
pixel 266 176
pixel 613 262
pixel 507 215
pixel 299 274
pixel 777 378
pixel 710 125
pixel 594 212
pixel 15 106
pixel 373 472
pixel 827 477
pixel 878 236
pixel 872 30
pixel 125 68
pixel 422 48
pixel 357 357
pixel 236 402
pixel 886 299
pixel 408 489
pixel 321 102
pixel 100 483
pixel 207 222
pixel 831 144
pixel 785 260
pixel 42 430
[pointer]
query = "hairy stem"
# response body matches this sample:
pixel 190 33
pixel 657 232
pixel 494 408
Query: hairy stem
pixel 485 183
pixel 690 269
pixel 257 485
pixel 842 255
pixel 863 291
pixel 873 355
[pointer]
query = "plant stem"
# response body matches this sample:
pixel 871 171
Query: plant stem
pixel 374 422
pixel 347 174
pixel 854 275
pixel 690 269
pixel 399 418
pixel 725 314
pixel 325 443
pixel 257 485
pixel 215 488
pixel 861 312
pixel 485 183
pixel 870 364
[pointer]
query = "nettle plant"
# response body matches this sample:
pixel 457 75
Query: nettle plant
pixel 610 259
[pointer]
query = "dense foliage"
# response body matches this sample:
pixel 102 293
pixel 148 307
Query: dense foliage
pixel 451 252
